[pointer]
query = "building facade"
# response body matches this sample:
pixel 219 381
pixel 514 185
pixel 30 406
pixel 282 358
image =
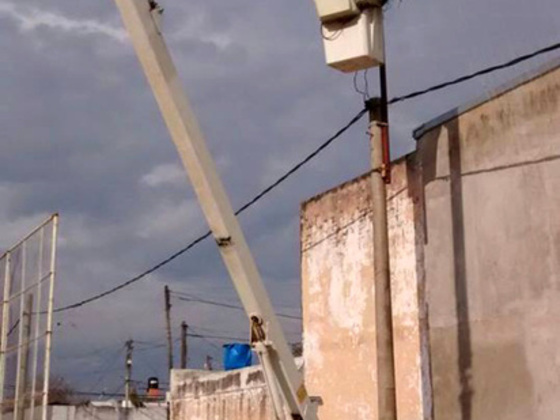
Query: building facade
pixel 474 232
pixel 474 227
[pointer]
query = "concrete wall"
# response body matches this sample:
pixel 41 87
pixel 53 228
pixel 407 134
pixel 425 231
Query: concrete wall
pixel 83 412
pixel 158 412
pixel 474 226
pixel 474 221
pixel 233 395
pixel 110 413
pixel 339 295
pixel 491 180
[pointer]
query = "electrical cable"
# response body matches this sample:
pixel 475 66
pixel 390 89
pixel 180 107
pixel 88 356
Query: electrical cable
pixel 153 347
pixel 191 245
pixel 108 368
pixel 210 343
pixel 134 279
pixel 308 158
pixel 197 333
pixel 363 93
pixel 479 73
pixel 218 337
pixel 94 394
pixel 191 298
pixel 213 345
pixel 121 386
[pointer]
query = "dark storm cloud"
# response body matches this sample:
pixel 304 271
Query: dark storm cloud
pixel 81 134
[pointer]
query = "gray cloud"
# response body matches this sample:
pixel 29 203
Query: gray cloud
pixel 81 134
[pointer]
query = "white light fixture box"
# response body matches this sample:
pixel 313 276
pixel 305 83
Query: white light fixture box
pixel 355 44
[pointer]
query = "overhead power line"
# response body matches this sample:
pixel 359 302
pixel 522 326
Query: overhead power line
pixel 306 160
pixel 152 347
pixel 251 202
pixel 223 338
pixel 84 393
pixel 134 279
pixel 190 298
pixel 479 73
pixel 218 337
pixel 199 335
pixel 197 332
pixel 210 343
pixel 96 394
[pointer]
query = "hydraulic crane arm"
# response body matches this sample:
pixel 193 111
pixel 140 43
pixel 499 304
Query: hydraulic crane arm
pixel 285 382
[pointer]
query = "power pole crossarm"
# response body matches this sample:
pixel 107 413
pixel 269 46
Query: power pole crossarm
pixel 141 21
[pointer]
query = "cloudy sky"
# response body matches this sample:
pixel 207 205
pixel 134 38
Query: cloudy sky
pixel 81 134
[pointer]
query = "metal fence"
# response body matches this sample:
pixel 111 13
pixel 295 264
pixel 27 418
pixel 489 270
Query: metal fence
pixel 27 273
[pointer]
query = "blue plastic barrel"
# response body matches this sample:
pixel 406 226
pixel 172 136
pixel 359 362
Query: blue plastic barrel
pixel 237 356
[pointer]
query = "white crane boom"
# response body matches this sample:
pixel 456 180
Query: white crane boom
pixel 285 381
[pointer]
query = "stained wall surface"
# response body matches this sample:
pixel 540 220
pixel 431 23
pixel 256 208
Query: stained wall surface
pixel 491 181
pixel 232 395
pixel 339 295
pixel 474 224
pixel 474 229
pixel 108 411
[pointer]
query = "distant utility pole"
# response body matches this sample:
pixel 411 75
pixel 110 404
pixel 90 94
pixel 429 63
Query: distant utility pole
pixel 208 363
pixel 168 327
pixel 128 377
pixel 184 348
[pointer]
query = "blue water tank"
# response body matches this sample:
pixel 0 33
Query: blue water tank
pixel 237 356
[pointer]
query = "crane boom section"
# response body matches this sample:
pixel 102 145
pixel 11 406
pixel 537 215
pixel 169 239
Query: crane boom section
pixel 140 18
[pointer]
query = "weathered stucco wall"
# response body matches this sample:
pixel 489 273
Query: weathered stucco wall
pixel 234 395
pixel 92 412
pixel 492 256
pixel 474 222
pixel 339 295
pixel 474 226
